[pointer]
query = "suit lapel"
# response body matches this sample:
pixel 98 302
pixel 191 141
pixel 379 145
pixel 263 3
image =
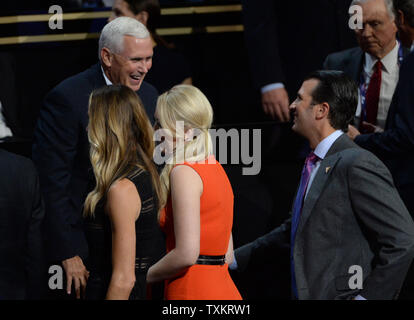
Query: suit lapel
pixel 324 172
pixel 406 52
pixel 322 176
pixel 354 67
pixel 394 101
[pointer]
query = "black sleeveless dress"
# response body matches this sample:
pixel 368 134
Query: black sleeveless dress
pixel 150 243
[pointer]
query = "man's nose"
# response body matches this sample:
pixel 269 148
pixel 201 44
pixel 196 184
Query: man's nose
pixel 366 31
pixel 143 67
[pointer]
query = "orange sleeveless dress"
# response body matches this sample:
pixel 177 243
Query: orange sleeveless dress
pixel 206 282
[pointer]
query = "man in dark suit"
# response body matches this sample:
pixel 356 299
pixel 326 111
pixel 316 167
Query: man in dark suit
pixel 347 214
pixel 61 147
pixel 395 145
pixel 374 65
pixel 21 241
pixel 286 40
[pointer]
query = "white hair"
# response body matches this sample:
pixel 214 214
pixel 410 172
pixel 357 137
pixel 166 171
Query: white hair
pixel 388 4
pixel 112 35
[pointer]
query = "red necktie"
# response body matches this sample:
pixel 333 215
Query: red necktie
pixel 373 94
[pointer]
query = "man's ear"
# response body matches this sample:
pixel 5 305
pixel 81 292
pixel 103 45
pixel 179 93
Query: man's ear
pixel 322 110
pixel 400 19
pixel 106 57
pixel 142 17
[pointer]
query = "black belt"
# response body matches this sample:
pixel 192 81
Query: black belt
pixel 211 260
pixel 142 263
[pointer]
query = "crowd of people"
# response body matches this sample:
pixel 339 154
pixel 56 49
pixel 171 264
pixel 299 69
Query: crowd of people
pixel 122 227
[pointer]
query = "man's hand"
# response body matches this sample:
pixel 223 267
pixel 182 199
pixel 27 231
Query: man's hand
pixel 76 272
pixel 352 132
pixel 276 104
pixel 371 128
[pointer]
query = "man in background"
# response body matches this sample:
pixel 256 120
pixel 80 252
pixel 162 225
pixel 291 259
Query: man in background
pixel 395 145
pixel 288 39
pixel 22 265
pixel 374 65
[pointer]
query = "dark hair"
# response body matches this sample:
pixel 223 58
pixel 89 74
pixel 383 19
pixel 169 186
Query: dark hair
pixel 340 92
pixel 407 7
pixel 152 7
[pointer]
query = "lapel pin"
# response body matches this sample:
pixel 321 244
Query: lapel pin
pixel 327 169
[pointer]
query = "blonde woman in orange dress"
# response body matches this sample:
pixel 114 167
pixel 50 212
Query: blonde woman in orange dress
pixel 198 203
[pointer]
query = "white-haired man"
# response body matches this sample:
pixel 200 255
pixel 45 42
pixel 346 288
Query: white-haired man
pixel 61 147
pixel 395 145
pixel 374 65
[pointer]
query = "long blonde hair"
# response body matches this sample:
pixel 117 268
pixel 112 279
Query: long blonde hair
pixel 121 139
pixel 188 104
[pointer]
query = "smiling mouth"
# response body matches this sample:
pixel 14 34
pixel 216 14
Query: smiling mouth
pixel 136 77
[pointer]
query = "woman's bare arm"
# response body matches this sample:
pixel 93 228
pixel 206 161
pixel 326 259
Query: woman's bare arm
pixel 186 190
pixel 123 207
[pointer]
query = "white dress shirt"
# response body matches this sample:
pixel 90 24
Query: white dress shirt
pixel 272 86
pixel 107 81
pixel 4 129
pixel 389 80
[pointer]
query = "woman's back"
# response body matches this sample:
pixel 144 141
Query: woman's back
pixel 149 241
pixel 216 220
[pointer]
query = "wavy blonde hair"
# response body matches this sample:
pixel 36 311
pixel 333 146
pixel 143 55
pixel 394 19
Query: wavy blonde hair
pixel 188 104
pixel 121 138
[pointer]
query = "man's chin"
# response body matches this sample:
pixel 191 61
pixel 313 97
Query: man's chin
pixel 134 87
pixel 132 84
pixel 372 49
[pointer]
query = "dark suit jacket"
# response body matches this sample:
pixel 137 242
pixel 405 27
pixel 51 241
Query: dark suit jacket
pixel 286 40
pixel 61 154
pixel 21 217
pixel 350 61
pixel 352 215
pixel 395 146
pixel 8 92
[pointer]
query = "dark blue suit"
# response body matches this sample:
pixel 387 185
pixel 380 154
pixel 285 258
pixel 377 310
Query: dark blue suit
pixel 21 219
pixel 395 146
pixel 61 154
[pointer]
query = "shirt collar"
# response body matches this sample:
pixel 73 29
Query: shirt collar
pixel 108 82
pixel 389 62
pixel 412 47
pixel 323 147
